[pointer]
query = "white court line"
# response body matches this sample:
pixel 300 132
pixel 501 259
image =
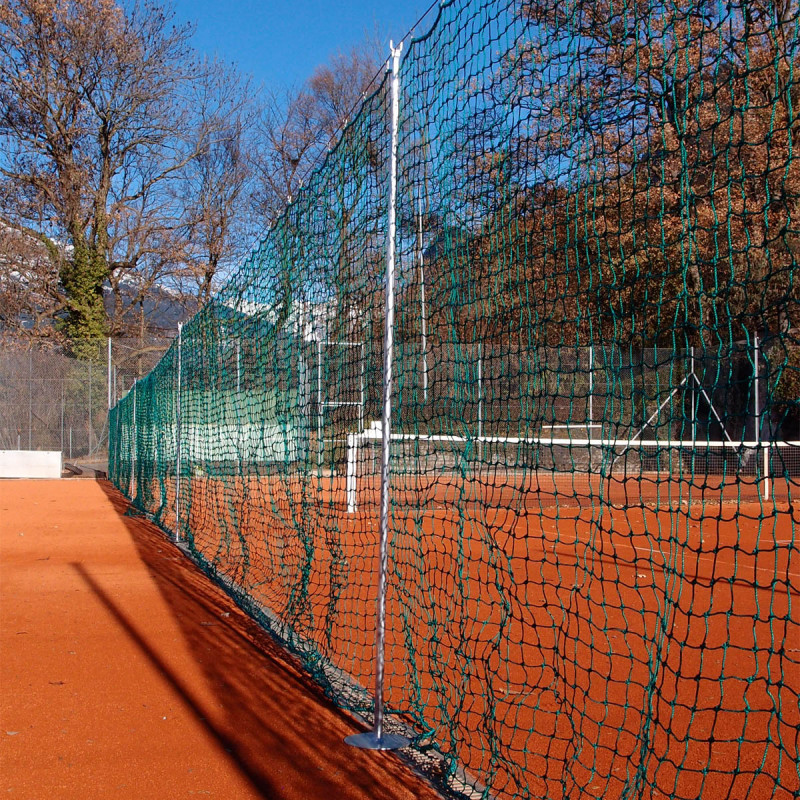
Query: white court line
pixel 705 559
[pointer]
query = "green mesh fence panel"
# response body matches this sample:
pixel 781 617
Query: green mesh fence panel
pixel 593 545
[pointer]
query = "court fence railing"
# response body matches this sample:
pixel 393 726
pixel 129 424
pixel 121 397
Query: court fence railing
pixel 57 396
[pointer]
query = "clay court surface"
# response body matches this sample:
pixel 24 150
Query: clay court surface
pixel 126 673
pixel 585 584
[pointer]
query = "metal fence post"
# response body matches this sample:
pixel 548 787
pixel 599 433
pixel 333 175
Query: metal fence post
pixel 591 391
pixel 238 366
pixel 320 411
pixel 30 400
pixel 109 373
pixel 178 382
pixel 134 440
pixel 757 415
pixel 376 739
pixel 362 397
pixel 480 401
pixel 89 447
pixel 693 382
pixel 423 320
pixel 62 414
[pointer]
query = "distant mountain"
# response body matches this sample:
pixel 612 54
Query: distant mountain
pixel 164 307
pixel 32 299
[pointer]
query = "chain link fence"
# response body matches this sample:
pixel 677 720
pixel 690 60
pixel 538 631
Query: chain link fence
pixel 53 399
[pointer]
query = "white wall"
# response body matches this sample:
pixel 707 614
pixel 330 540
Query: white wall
pixel 30 463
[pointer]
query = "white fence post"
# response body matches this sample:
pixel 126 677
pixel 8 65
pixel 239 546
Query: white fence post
pixel 424 318
pixel 757 414
pixel 109 373
pixel 178 383
pixel 376 739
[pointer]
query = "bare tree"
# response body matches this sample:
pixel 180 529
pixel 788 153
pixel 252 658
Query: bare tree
pixel 298 126
pixel 92 125
pixel 30 296
pixel 216 186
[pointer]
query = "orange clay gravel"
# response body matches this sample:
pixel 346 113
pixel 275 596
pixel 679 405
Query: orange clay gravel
pixel 127 674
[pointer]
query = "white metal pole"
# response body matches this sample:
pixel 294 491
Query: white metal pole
pixel 62 415
pixel 757 413
pixel 362 389
pixel 133 442
pixel 178 386
pixel 376 739
pixel 757 408
pixel 304 401
pixel 352 457
pixel 319 405
pixel 238 367
pixel 694 396
pixel 30 400
pixel 91 421
pixel 767 480
pixel 480 401
pixel 591 387
pixel 423 312
pixel 109 373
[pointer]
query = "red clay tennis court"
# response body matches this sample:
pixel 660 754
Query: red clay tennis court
pixel 127 673
pixel 610 613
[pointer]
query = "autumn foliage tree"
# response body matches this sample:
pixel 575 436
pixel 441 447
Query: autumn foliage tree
pixel 677 122
pixel 630 175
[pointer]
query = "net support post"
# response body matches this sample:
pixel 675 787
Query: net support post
pixel 352 458
pixel 758 413
pixel 90 420
pixel 109 373
pixel 423 317
pixel 480 401
pixel 591 386
pixel 30 399
pixel 362 389
pixel 62 416
pixel 178 410
pixel 377 738
pixel 134 439
pixel 320 412
pixel 756 398
pixel 693 420
pixel 238 366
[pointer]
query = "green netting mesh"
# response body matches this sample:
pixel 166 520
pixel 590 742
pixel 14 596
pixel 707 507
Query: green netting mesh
pixel 594 554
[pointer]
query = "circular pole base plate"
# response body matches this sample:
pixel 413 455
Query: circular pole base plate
pixel 369 741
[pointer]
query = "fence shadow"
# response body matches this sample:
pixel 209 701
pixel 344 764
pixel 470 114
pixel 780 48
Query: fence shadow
pixel 283 734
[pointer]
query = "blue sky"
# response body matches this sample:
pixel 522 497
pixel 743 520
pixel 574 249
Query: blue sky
pixel 280 42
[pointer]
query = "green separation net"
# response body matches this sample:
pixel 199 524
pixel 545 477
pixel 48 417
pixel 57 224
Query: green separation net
pixel 593 550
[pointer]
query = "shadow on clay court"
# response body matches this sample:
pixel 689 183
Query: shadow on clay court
pixel 269 716
pixel 228 744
